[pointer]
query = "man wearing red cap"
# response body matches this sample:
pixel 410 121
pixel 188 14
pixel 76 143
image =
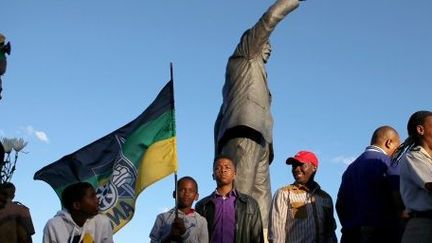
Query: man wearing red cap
pixel 302 212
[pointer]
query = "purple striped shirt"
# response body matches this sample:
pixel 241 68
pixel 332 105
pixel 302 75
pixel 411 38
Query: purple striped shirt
pixel 224 220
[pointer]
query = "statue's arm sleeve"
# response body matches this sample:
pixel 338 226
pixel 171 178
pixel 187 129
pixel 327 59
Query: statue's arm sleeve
pixel 252 41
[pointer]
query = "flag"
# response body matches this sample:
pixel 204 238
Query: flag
pixel 123 163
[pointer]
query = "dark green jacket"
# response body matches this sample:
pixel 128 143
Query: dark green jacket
pixel 248 226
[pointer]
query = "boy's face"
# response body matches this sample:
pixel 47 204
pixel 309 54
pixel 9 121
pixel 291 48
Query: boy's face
pixel 89 204
pixel 224 172
pixel 187 194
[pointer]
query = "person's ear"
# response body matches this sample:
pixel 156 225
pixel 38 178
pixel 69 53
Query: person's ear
pixel 76 206
pixel 174 194
pixel 196 196
pixel 213 176
pixel 388 143
pixel 420 130
pixel 314 168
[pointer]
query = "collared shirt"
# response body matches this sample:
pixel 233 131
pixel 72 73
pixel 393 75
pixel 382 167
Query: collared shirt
pixel 416 170
pixel 375 148
pixel 392 168
pixel 224 219
pixel 300 215
pixel 195 224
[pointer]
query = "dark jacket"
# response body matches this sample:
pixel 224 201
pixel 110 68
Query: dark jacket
pixel 365 195
pixel 248 217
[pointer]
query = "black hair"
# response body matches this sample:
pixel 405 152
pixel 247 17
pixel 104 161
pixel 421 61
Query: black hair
pixel 2 153
pixel 224 156
pixel 188 178
pixel 3 190
pixel 9 185
pixel 414 139
pixel 74 193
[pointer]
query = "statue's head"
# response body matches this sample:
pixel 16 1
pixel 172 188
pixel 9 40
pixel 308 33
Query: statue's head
pixel 266 51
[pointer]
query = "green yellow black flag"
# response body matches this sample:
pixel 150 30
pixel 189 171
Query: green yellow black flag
pixel 123 163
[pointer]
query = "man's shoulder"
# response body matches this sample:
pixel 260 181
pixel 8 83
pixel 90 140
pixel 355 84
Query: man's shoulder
pixel 204 200
pixel 324 194
pixel 54 221
pixel 288 188
pixel 20 204
pixel 373 155
pixel 12 208
pixel 246 198
pixel 199 216
pixel 101 218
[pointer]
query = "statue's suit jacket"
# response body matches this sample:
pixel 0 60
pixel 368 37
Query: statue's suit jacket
pixel 246 96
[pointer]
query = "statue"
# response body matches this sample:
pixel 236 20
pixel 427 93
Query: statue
pixel 243 128
pixel 4 49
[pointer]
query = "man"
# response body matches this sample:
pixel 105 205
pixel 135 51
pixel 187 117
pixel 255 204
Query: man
pixel 79 222
pixel 181 224
pixel 15 221
pixel 366 205
pixel 416 178
pixel 231 215
pixel 243 128
pixel 302 212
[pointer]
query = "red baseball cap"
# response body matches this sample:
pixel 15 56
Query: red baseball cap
pixel 303 157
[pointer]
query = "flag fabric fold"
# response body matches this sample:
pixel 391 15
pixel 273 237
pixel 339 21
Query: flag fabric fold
pixel 123 163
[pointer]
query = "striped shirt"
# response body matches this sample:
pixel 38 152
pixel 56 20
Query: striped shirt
pixel 302 215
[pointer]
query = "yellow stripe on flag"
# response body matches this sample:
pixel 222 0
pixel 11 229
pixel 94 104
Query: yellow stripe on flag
pixel 159 161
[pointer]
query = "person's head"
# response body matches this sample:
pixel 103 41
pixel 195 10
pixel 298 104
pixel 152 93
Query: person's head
pixel 224 170
pixel 9 188
pixel 3 197
pixel 187 192
pixel 304 165
pixel 266 52
pixel 420 128
pixel 387 138
pixel 80 198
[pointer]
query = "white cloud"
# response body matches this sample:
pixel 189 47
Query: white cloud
pixel 343 159
pixel 40 135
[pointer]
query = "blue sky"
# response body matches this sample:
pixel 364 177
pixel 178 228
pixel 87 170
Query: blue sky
pixel 81 69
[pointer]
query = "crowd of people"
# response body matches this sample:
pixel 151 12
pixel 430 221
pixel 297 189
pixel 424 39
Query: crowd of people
pixel 385 196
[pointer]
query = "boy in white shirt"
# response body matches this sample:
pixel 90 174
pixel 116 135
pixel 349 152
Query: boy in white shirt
pixel 79 221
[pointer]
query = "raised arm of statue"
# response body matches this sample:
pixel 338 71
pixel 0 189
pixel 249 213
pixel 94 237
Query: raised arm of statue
pixel 254 39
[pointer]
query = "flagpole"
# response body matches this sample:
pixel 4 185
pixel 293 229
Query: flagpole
pixel 175 181
pixel 175 172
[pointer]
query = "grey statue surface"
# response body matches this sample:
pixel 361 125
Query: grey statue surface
pixel 4 49
pixel 243 128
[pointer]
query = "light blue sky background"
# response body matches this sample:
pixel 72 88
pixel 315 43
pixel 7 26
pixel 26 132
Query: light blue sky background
pixel 81 69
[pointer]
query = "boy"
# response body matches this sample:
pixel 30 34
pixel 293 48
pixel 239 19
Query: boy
pixel 187 225
pixel 79 221
pixel 231 215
